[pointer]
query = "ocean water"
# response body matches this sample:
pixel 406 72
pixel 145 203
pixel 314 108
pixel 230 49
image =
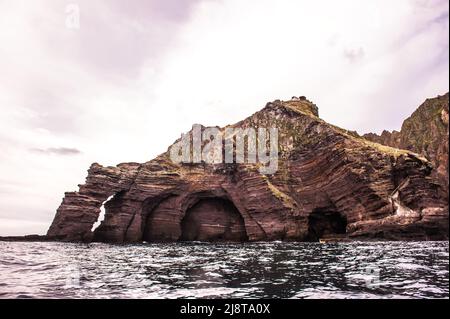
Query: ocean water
pixel 200 270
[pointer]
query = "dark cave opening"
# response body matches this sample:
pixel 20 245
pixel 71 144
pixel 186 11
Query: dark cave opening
pixel 324 223
pixel 161 221
pixel 213 219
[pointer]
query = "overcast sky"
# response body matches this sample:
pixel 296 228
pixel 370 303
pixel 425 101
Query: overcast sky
pixel 135 74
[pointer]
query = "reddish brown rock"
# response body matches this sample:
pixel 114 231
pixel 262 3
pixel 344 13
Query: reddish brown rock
pixel 330 183
pixel 425 132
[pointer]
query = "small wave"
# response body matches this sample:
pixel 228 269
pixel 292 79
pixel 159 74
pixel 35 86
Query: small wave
pixel 201 270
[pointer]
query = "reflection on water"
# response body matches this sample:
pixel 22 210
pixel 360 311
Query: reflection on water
pixel 199 270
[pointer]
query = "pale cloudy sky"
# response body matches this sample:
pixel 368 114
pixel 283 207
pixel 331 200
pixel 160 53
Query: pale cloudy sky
pixel 136 74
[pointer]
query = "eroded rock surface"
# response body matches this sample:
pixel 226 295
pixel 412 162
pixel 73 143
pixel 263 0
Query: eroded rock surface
pixel 330 183
pixel 425 132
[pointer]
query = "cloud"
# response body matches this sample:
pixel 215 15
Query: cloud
pixel 135 75
pixel 57 151
pixel 234 57
pixel 88 88
pixel 354 55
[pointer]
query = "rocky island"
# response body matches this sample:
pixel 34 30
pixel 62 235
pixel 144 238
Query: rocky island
pixel 331 184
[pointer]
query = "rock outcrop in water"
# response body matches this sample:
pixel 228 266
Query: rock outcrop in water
pixel 425 132
pixel 330 183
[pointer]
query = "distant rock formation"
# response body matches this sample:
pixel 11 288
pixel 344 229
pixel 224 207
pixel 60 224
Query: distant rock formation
pixel 425 132
pixel 330 184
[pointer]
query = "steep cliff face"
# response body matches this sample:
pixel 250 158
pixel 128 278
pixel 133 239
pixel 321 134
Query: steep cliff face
pixel 425 132
pixel 330 183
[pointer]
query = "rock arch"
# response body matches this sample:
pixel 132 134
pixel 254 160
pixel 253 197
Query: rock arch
pixel 201 216
pixel 161 222
pixel 213 219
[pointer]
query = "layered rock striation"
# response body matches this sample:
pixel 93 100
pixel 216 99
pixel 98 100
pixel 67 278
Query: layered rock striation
pixel 330 183
pixel 425 132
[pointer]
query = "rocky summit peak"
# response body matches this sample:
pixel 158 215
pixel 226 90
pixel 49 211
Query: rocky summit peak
pixel 298 104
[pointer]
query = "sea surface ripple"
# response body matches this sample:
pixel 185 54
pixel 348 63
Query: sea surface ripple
pixel 203 270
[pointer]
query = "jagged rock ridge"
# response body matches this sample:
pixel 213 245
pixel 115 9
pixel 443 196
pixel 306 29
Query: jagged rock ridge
pixel 331 183
pixel 425 132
